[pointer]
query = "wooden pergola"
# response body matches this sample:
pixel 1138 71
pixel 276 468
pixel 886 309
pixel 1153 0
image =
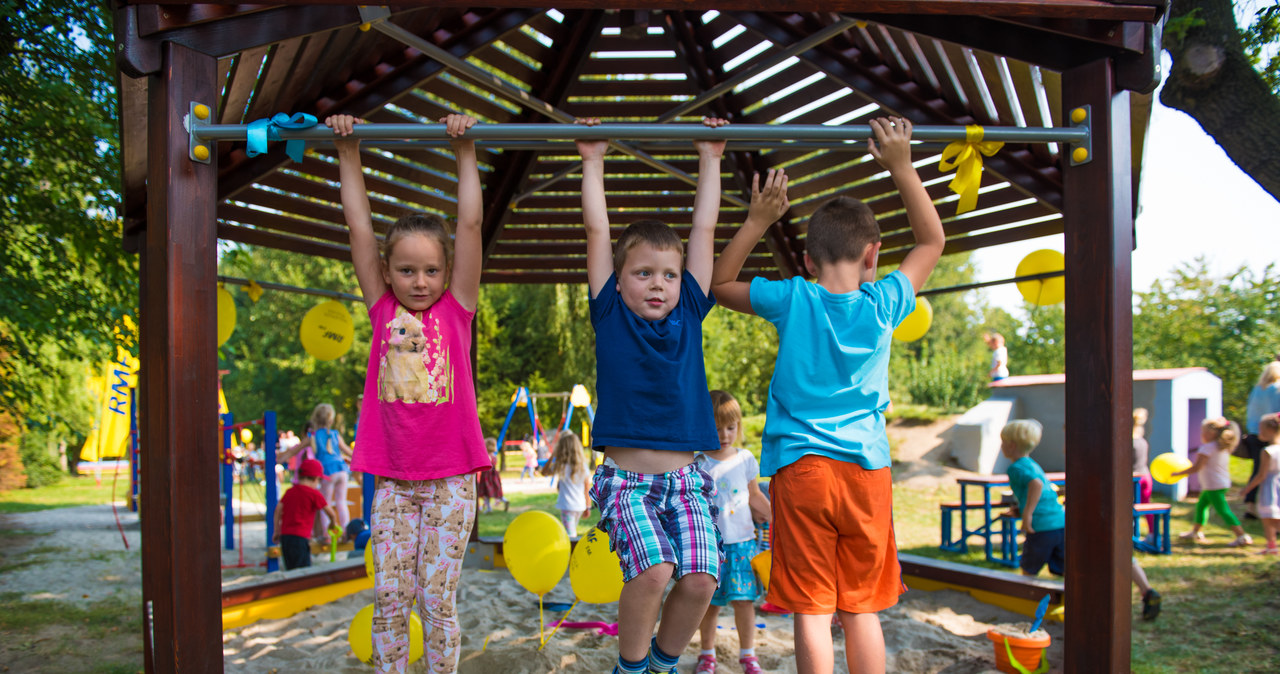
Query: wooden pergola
pixel 1016 63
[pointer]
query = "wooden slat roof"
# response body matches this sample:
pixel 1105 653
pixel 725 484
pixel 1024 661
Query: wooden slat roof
pixel 629 66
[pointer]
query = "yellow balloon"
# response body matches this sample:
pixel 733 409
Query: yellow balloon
pixel 916 323
pixel 762 564
pixel 226 316
pixel 368 558
pixel 1044 291
pixel 594 570
pixel 360 636
pixel 1164 466
pixel 536 549
pixel 327 330
pixel 246 435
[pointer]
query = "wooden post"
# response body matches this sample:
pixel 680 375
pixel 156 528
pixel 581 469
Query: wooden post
pixel 1099 388
pixel 181 563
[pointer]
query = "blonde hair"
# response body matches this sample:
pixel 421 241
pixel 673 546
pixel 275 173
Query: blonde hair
pixel 727 410
pixel 568 456
pixel 1270 374
pixel 1139 420
pixel 1024 434
pixel 1226 434
pixel 491 442
pixel 322 416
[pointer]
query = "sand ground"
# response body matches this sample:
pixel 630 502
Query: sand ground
pixel 78 555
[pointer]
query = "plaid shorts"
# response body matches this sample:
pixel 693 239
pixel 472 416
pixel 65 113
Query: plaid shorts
pixel 653 518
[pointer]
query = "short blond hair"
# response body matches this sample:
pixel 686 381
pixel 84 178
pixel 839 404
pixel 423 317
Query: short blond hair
pixel 1023 434
pixel 726 410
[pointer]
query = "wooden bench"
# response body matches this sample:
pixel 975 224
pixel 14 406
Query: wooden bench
pixel 1163 541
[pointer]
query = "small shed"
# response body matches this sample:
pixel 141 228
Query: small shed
pixel 1177 401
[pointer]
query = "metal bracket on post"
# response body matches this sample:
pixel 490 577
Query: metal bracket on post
pixel 198 114
pixel 1082 151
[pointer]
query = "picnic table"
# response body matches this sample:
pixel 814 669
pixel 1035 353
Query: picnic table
pixel 990 526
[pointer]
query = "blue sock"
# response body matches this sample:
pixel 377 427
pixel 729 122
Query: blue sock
pixel 659 662
pixel 628 667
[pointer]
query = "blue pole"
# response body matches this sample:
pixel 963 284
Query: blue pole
pixel 133 449
pixel 269 469
pixel 568 419
pixel 591 414
pixel 511 411
pixel 228 478
pixel 368 486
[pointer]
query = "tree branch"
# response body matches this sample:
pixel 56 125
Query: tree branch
pixel 1213 81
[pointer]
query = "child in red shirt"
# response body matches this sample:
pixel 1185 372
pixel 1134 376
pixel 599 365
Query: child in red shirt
pixel 297 514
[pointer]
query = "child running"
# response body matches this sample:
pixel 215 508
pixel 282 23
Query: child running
pixel 647 307
pixel 569 464
pixel 824 439
pixel 1212 461
pixel 1044 522
pixel 1267 482
pixel 738 496
pixel 419 430
pixel 296 514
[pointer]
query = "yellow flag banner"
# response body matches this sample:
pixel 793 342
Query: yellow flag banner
pixel 965 158
pixel 109 438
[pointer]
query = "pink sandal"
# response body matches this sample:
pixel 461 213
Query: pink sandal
pixel 706 665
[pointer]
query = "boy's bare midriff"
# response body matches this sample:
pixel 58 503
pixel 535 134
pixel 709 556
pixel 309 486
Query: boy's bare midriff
pixel 639 460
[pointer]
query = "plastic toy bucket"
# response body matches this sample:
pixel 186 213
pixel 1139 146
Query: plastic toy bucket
pixel 1016 655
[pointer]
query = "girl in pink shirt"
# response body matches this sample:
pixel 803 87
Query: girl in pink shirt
pixel 419 431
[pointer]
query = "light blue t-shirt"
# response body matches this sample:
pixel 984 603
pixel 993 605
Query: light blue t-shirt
pixel 830 383
pixel 1049 514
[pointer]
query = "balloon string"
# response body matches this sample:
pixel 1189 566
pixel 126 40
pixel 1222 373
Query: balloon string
pixel 559 624
pixel 540 630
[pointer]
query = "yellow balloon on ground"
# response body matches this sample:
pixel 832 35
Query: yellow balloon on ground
pixel 1044 291
pixel 226 316
pixel 594 571
pixel 536 549
pixel 762 564
pixel 246 435
pixel 916 323
pixel 360 635
pixel 368 558
pixel 327 330
pixel 1164 466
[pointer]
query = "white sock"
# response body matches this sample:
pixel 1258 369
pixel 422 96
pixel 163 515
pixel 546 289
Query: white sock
pixel 746 652
pixel 709 651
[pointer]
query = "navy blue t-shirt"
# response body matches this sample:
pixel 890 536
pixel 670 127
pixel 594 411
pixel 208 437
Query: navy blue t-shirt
pixel 650 378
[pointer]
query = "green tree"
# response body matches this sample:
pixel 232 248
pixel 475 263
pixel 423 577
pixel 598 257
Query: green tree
pixel 1227 324
pixel 739 351
pixel 1039 344
pixel 67 281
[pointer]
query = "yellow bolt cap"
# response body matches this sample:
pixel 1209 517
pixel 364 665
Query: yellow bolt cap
pixel 1079 154
pixel 364 27
pixel 202 111
pixel 1078 115
pixel 200 152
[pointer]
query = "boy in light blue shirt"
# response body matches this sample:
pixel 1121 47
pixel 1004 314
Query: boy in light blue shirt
pixel 824 441
pixel 1044 522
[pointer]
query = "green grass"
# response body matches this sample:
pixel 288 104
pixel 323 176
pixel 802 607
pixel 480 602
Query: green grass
pixel 494 524
pixel 60 634
pixel 71 491
pixel 1221 607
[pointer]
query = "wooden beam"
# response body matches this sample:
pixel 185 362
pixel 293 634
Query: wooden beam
pixel 258 237
pixel 1099 9
pixel 181 574
pixel 1099 373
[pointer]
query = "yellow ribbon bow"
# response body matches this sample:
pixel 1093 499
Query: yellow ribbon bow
pixel 965 157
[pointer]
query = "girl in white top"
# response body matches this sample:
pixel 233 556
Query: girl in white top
pixel 738 501
pixel 1267 481
pixel 569 464
pixel 1212 460
pixel 999 355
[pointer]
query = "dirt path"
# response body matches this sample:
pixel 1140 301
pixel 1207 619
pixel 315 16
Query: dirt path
pixel 921 456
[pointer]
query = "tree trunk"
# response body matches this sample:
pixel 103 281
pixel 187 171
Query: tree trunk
pixel 1214 82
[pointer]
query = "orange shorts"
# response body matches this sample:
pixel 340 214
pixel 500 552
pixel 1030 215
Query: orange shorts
pixel 833 544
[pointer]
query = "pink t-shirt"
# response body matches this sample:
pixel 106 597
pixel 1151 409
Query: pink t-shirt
pixel 418 420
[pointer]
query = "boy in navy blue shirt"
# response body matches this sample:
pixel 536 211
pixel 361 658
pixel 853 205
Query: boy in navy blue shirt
pixel 647 306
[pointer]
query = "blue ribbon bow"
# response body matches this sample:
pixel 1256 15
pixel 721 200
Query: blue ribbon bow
pixel 262 131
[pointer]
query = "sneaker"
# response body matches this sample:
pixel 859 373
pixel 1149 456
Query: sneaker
pixel 1192 536
pixel 750 665
pixel 1241 541
pixel 1150 605
pixel 506 505
pixel 706 665
pixel 1269 551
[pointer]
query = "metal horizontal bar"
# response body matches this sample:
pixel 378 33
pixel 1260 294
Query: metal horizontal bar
pixel 647 146
pixel 987 284
pixel 739 132
pixel 267 285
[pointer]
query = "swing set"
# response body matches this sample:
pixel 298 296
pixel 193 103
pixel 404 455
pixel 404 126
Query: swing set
pixel 569 401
